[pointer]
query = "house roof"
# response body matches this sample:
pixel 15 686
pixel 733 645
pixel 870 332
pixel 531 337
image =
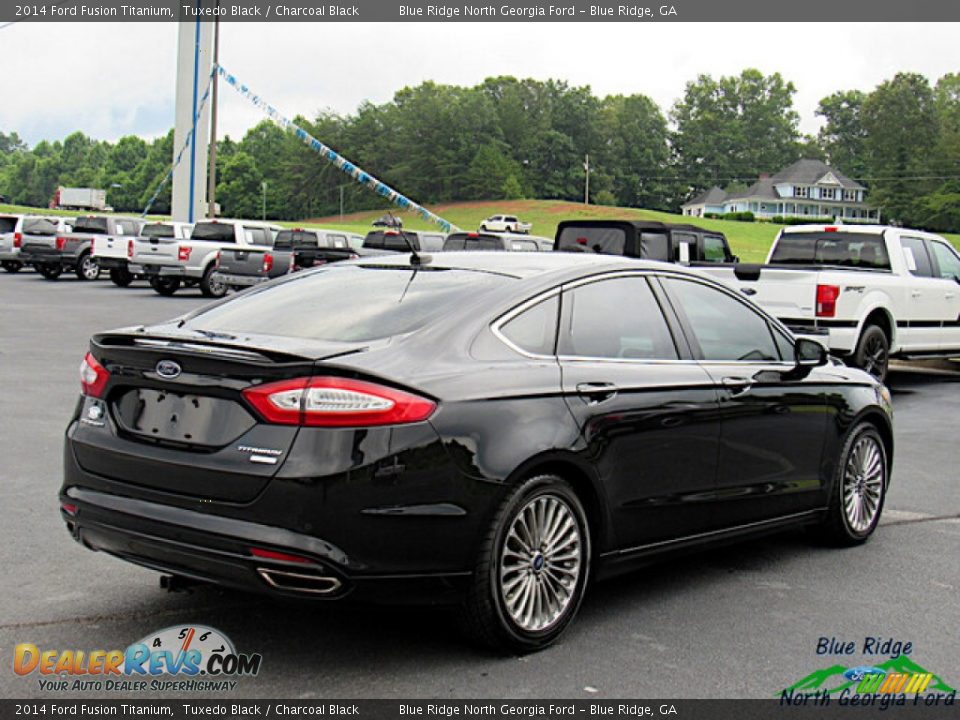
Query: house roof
pixel 809 172
pixel 713 196
pixel 762 189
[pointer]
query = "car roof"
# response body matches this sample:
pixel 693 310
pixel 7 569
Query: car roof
pixel 522 265
pixel 640 225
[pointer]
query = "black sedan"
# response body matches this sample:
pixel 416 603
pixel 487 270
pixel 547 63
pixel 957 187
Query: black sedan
pixel 488 429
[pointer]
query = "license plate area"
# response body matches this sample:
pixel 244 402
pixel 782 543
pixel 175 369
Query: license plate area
pixel 181 418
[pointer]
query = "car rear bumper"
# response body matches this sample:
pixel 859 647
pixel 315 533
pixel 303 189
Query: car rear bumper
pixel 108 263
pixel 34 256
pixel 175 271
pixel 840 340
pixel 240 280
pixel 350 545
pixel 7 255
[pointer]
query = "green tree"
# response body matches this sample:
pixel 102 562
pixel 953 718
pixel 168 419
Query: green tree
pixel 489 171
pixel 734 127
pixel 843 136
pixel 240 193
pixel 900 120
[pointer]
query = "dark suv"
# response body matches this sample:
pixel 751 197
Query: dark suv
pixel 645 239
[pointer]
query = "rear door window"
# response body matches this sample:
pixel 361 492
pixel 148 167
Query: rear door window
pixel 617 318
pixel 601 240
pixel 7 224
pixel 258 236
pixel 916 257
pixel 714 249
pixel 654 246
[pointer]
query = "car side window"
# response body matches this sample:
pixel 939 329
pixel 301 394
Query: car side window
pixel 947 261
pixel 684 247
pixel 535 329
pixel 714 249
pixel 724 327
pixel 615 318
pixel 916 258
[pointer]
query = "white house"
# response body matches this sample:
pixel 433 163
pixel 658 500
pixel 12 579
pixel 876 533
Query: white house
pixel 806 188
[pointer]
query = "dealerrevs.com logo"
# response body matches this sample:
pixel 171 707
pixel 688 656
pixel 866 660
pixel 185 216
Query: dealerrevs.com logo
pixel 191 658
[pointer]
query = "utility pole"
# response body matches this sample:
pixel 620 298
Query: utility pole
pixel 212 177
pixel 586 187
pixel 263 187
pixel 341 202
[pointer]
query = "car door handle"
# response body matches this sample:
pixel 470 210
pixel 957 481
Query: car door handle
pixel 950 296
pixel 915 294
pixel 737 385
pixel 597 392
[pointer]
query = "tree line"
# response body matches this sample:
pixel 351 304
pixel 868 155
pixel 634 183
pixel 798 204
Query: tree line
pixel 509 138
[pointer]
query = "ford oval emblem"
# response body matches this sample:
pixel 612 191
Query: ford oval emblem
pixel 168 369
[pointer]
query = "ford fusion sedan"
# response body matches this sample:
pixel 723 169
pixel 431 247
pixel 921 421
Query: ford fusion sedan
pixel 495 430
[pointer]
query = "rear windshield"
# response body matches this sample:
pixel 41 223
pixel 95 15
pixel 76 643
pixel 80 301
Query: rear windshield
pixel 375 303
pixel 602 240
pixel 95 225
pixel 218 232
pixel 157 230
pixel 7 224
pixel 845 249
pixel 465 241
pixel 39 226
pixel 391 240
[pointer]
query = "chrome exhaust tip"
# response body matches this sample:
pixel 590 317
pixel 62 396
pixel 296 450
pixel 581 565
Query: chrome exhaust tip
pixel 299 582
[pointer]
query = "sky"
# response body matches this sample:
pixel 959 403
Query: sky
pixel 113 79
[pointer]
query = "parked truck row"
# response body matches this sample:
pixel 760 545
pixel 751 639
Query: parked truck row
pixel 868 293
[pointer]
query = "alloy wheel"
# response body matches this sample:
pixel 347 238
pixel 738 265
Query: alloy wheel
pixel 541 562
pixel 863 483
pixel 876 357
pixel 89 268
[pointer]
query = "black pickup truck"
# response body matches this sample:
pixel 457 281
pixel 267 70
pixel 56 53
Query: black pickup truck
pixel 292 250
pixel 651 240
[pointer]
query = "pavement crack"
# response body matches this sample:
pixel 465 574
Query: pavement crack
pixel 922 519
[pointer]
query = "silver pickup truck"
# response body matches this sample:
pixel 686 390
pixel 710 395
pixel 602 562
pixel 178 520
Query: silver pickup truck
pixel 169 263
pixel 34 230
pixel 74 249
pixel 10 240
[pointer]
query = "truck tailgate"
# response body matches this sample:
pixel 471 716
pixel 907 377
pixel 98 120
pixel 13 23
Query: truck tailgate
pixel 785 293
pixel 242 261
pixel 156 251
pixel 110 246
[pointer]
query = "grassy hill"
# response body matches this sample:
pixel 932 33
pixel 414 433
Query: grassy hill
pixel 749 240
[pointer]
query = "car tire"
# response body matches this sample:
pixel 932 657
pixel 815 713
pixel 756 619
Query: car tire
pixel 873 352
pixel 165 286
pixel 87 268
pixel 210 286
pixel 50 272
pixel 12 266
pixel 859 489
pixel 120 276
pixel 525 591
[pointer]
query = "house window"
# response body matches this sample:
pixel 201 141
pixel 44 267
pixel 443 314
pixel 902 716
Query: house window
pixel 826 193
pixel 850 195
pixel 800 191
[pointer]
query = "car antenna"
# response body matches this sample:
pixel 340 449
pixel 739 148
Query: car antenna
pixel 415 257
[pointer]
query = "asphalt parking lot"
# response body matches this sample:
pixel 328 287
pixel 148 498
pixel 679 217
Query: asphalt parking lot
pixel 743 621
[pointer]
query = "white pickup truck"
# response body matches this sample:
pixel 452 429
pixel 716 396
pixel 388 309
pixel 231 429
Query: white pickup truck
pixel 870 292
pixel 169 262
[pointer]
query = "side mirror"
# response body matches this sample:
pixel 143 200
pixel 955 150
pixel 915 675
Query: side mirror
pixel 809 353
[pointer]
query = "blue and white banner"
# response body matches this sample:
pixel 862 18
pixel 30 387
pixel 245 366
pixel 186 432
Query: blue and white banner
pixel 332 156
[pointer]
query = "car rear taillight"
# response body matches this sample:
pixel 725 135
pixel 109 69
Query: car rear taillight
pixel 216 262
pixel 267 262
pixel 93 246
pixel 827 300
pixel 18 240
pixel 291 263
pixel 130 249
pixel 336 402
pixel 61 242
pixel 832 228
pixel 183 253
pixel 68 508
pixel 265 554
pixel 93 377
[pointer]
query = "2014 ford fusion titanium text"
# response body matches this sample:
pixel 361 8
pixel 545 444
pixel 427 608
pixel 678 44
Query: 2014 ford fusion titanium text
pixel 492 429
